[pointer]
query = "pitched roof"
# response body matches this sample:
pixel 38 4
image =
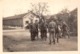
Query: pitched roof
pixel 19 16
pixel 15 16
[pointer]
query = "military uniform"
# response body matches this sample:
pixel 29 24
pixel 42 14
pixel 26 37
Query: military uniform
pixel 43 30
pixel 36 29
pixel 32 31
pixel 65 29
pixel 51 28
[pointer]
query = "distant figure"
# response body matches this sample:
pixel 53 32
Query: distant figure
pixel 32 30
pixel 58 31
pixel 65 29
pixel 36 30
pixel 51 29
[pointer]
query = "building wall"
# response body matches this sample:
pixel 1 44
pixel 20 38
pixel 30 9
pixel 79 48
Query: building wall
pixel 27 18
pixel 18 22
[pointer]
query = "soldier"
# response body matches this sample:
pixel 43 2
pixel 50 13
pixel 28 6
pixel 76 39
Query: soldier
pixel 32 30
pixel 36 25
pixel 43 29
pixel 59 27
pixel 65 29
pixel 51 28
pixel 58 30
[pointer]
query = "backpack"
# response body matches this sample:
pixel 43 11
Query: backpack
pixel 52 26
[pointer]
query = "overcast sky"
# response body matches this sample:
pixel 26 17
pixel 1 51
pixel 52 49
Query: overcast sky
pixel 12 7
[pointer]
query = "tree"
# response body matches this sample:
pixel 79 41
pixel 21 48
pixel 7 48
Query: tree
pixel 72 21
pixel 70 17
pixel 40 9
pixel 65 14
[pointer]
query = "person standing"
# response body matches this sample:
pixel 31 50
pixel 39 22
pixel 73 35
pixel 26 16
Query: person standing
pixel 51 29
pixel 43 29
pixel 36 30
pixel 58 30
pixel 32 30
pixel 65 29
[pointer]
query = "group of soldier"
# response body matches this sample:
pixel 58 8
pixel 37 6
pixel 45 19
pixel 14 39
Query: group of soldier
pixel 56 29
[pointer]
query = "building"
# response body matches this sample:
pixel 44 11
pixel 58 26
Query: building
pixel 20 20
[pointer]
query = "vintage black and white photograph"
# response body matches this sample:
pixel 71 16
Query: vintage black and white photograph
pixel 40 25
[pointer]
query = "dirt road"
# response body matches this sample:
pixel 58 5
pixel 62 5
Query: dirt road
pixel 20 41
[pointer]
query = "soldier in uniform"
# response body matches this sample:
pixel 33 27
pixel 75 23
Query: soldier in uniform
pixel 65 29
pixel 43 29
pixel 36 25
pixel 32 30
pixel 58 31
pixel 51 28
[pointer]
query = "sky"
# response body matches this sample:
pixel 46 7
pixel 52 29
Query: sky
pixel 13 7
